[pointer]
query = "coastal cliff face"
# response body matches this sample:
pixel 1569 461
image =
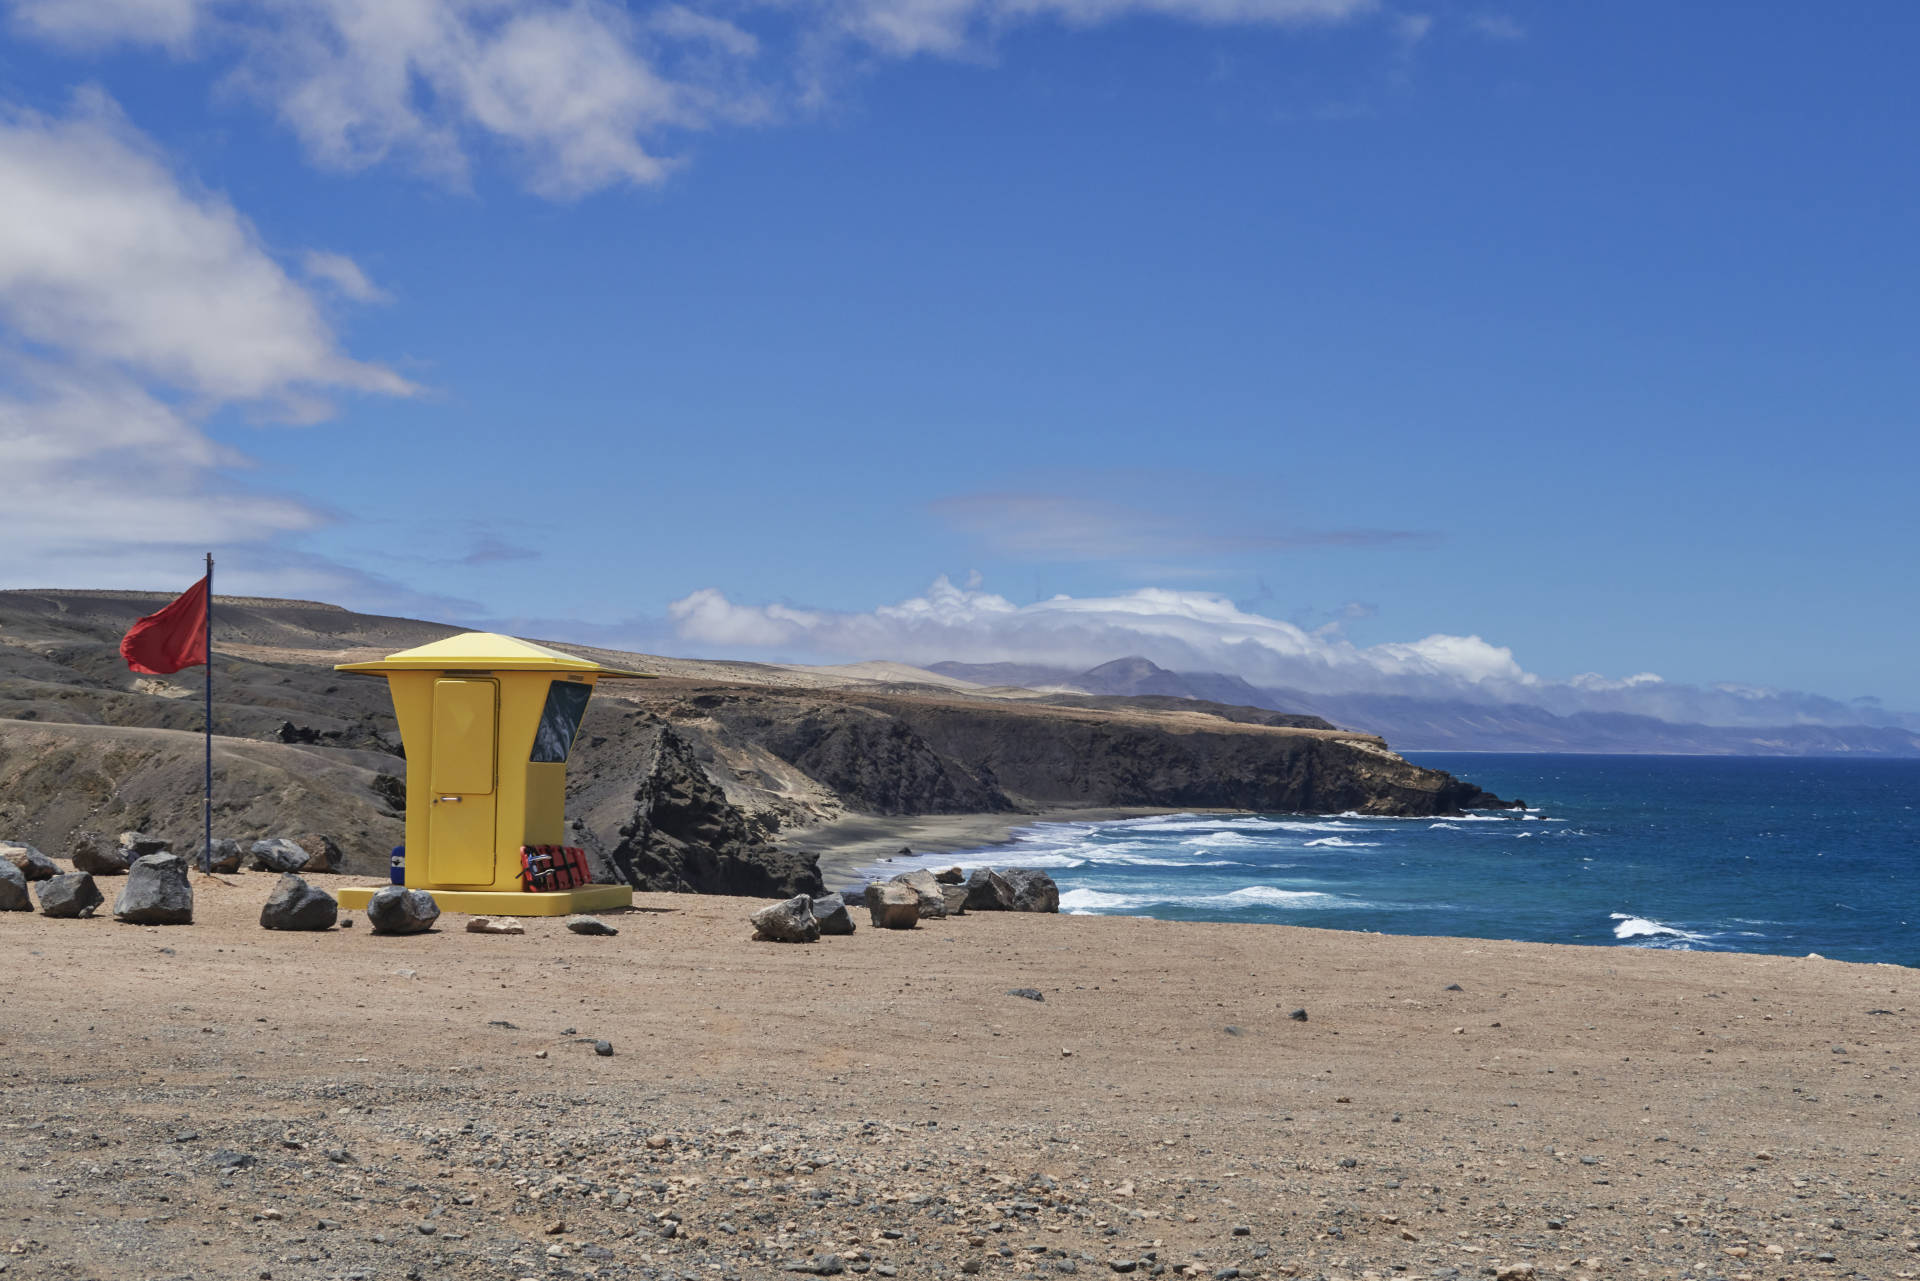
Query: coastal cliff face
pixel 694 782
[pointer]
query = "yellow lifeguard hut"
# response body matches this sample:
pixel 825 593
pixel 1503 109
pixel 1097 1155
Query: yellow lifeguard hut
pixel 488 722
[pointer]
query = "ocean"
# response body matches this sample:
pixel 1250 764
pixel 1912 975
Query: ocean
pixel 1725 854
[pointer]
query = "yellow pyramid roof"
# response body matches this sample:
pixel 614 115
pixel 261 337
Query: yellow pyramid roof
pixel 485 651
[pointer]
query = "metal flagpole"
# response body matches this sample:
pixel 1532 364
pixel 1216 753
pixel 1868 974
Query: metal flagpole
pixel 206 850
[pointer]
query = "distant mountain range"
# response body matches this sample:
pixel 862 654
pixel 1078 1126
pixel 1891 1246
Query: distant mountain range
pixel 1420 724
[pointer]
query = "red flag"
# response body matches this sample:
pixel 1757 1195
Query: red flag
pixel 162 643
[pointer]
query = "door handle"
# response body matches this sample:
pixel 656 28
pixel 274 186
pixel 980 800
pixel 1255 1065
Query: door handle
pixel 446 800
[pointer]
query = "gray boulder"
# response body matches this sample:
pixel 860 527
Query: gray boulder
pixel 157 892
pixel 33 865
pixel 323 855
pixel 296 905
pixel 136 845
pixel 956 899
pixel 13 889
pixel 397 909
pixel 1033 890
pixel 227 856
pixel 988 891
pixel 830 910
pixel 790 921
pixel 893 906
pixel 933 903
pixel 91 854
pixel 278 854
pixel 951 876
pixel 71 895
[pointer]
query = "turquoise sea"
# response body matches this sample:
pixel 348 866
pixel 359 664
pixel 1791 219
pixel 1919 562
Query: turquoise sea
pixel 1786 856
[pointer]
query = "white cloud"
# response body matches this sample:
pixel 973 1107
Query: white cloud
pixel 132 307
pixel 1202 632
pixel 1497 26
pixel 588 93
pixel 343 274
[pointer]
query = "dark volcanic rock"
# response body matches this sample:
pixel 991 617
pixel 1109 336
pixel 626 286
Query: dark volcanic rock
pixel 1033 890
pixel 91 854
pixel 398 910
pixel 137 845
pixel 684 835
pixel 988 891
pixel 227 856
pixel 591 925
pixel 157 892
pixel 13 889
pixel 71 895
pixel 790 921
pixel 278 854
pixel 296 905
pixel 830 910
pixel 33 865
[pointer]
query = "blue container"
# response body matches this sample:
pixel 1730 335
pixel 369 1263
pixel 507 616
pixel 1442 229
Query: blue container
pixel 397 868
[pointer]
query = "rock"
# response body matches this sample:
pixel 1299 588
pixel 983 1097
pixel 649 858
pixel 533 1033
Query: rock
pixel 893 906
pixel 603 1048
pixel 397 909
pixel 71 895
pixel 951 876
pixel 33 865
pixel 1029 993
pixel 1298 1016
pixel 137 845
pixel 956 899
pixel 296 905
pixel 13 889
pixel 830 910
pixel 1515 1272
pixel 790 921
pixel 278 854
pixel 322 854
pixel 590 925
pixel 1033 890
pixel 495 925
pixel 933 903
pixel 988 891
pixel 226 856
pixel 91 854
pixel 157 892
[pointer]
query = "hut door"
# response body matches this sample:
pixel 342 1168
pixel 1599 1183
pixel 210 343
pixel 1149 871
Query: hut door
pixel 466 737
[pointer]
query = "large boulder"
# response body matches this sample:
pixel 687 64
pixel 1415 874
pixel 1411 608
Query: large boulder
pixel 956 899
pixel 33 865
pixel 831 911
pixel 893 906
pixel 157 892
pixel 13 889
pixel 278 854
pixel 226 856
pixel 92 854
pixel 790 921
pixel 988 891
pixel 323 855
pixel 71 895
pixel 399 910
pixel 933 903
pixel 1033 890
pixel 951 876
pixel 296 905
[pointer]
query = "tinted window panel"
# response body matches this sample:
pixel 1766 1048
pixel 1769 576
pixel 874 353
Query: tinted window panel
pixel 560 721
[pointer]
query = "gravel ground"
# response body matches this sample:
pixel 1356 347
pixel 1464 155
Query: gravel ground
pixel 217 1101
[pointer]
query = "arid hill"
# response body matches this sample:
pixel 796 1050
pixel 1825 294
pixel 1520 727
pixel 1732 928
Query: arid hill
pixel 706 779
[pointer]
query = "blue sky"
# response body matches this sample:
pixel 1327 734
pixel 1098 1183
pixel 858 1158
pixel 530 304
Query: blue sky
pixel 1301 338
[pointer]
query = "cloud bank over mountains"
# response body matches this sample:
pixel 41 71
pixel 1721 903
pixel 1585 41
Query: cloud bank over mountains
pixel 1186 631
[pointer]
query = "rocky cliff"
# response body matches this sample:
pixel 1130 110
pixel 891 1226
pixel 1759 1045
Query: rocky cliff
pixel 698 781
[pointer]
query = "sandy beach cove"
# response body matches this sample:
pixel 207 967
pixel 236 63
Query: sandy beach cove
pixel 218 1101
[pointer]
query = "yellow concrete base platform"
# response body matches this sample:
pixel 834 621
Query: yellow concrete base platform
pixel 585 898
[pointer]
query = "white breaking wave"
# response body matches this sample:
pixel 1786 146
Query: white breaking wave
pixel 1654 933
pixel 1082 901
pixel 1343 843
pixel 1443 827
